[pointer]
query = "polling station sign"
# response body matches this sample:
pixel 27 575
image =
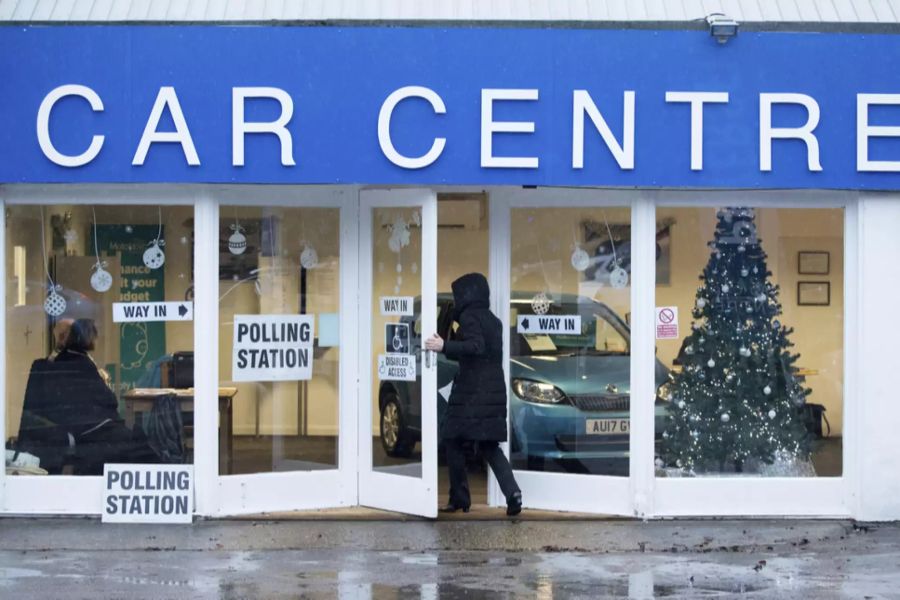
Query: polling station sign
pixel 144 312
pixel 272 348
pixel 148 493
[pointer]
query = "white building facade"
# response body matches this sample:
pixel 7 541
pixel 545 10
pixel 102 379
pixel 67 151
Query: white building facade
pixel 260 206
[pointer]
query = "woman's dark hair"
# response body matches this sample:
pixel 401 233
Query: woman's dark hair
pixel 82 335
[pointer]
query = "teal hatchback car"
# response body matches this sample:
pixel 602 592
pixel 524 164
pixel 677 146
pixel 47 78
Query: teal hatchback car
pixel 569 400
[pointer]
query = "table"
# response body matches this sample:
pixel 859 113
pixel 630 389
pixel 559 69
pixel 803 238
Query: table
pixel 140 401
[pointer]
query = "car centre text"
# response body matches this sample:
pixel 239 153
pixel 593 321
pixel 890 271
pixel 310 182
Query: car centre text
pixel 583 108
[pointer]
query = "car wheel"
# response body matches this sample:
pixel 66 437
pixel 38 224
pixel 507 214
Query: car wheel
pixel 395 437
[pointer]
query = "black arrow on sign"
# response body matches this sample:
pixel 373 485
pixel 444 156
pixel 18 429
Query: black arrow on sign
pixel 182 310
pixel 525 324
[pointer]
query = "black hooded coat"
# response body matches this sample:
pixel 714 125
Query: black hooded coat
pixel 477 405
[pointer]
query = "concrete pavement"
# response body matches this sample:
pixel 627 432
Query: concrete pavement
pixel 545 559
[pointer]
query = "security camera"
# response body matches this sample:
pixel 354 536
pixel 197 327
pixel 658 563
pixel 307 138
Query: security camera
pixel 721 27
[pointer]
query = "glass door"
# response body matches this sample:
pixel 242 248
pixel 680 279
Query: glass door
pixel 398 379
pixel 564 276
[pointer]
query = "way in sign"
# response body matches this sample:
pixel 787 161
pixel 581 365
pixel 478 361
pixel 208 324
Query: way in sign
pixel 556 324
pixel 136 312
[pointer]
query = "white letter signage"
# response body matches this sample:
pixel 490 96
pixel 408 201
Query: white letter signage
pixel 384 127
pixel 43 126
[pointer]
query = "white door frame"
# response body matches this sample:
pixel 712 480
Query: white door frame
pixel 380 489
pixel 601 494
pixel 293 490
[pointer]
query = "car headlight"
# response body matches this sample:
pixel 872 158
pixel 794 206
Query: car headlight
pixel 534 391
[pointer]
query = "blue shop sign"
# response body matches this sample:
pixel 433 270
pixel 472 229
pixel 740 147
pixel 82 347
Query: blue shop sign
pixel 449 106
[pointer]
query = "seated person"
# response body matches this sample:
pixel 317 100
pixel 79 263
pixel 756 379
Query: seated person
pixel 70 409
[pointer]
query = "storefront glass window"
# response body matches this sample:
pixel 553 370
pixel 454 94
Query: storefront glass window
pixel 570 362
pixel 750 328
pixel 99 370
pixel 279 319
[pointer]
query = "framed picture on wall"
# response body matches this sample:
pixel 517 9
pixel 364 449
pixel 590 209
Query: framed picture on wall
pixel 813 293
pixel 813 263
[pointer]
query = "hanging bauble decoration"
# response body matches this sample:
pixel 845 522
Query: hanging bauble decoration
pixel 540 304
pixel 726 417
pixel 744 272
pixel 154 257
pixel 710 363
pixel 767 390
pixel 101 280
pixel 399 235
pixel 309 258
pixel 742 248
pixel 580 259
pixel 618 278
pixel 745 352
pixel 749 309
pixel 681 404
pixel 725 288
pixel 55 304
pixel 237 241
pixel 689 350
pixel 701 302
pixel 772 414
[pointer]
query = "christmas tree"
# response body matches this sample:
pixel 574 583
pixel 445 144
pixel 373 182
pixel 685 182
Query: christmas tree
pixel 735 402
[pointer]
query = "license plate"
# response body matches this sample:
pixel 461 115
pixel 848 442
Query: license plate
pixel 607 426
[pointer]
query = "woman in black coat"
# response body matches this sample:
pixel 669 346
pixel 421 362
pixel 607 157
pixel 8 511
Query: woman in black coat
pixel 477 405
pixel 70 391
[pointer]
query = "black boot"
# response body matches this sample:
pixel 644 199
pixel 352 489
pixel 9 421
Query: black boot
pixel 514 504
pixel 452 508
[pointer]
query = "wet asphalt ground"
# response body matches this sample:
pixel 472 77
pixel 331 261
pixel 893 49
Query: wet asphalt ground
pixel 78 558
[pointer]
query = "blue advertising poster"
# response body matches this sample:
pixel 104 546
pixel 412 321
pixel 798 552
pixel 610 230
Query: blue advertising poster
pixel 564 107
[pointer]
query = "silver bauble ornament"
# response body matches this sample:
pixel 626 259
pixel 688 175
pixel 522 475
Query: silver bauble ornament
pixel 540 304
pixel 55 304
pixel 237 241
pixel 154 257
pixel 580 259
pixel 726 417
pixel 101 280
pixel 309 258
pixel 725 288
pixel 701 302
pixel 771 414
pixel 618 278
pixel 767 390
